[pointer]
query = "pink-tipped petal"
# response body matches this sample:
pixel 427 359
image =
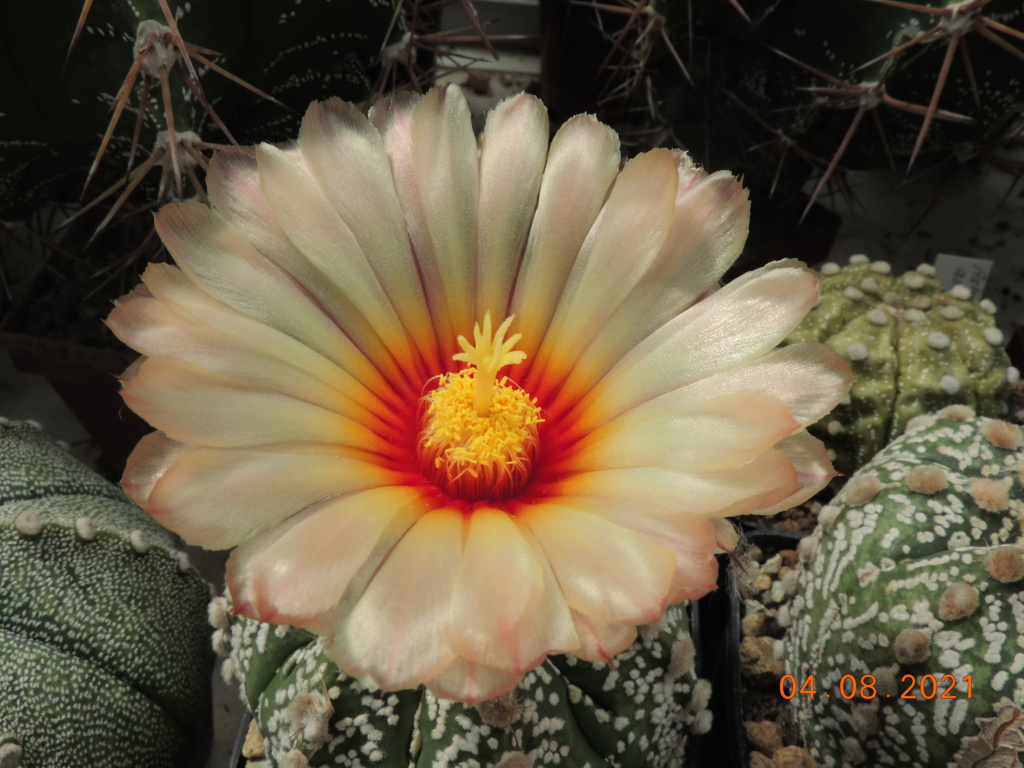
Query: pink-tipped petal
pixel 148 463
pixel 299 571
pixel 625 239
pixel 325 240
pixel 472 683
pixel 608 572
pixel 600 641
pixel 433 155
pixel 513 149
pixel 348 370
pixel 765 481
pixel 406 605
pixel 813 469
pixel 716 434
pixel 582 164
pixel 497 560
pixel 202 408
pixel 346 156
pixel 709 228
pixel 217 498
pixel 737 324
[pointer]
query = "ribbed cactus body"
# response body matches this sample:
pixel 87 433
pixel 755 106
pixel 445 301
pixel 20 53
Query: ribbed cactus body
pixel 636 712
pixel 914 348
pixel 106 655
pixel 916 570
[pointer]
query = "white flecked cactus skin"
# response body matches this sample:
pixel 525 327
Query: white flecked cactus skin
pixel 914 348
pixel 566 712
pixel 916 568
pixel 105 656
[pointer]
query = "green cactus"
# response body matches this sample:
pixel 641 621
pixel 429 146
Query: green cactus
pixel 635 712
pixel 916 570
pixel 914 348
pixel 106 656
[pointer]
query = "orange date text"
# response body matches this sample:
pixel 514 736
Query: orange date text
pixel 865 687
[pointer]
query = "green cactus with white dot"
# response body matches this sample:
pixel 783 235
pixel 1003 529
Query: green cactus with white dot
pixel 916 569
pixel 106 656
pixel 914 348
pixel 636 712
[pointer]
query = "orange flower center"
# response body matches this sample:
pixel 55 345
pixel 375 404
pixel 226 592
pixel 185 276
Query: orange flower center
pixel 478 437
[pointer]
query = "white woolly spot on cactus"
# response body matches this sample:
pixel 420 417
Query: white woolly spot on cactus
pixel 138 541
pixel 33 424
pixel 921 302
pixel 1012 376
pixel 937 340
pixel 830 268
pixel 870 285
pixel 10 755
pixel 834 427
pixel 853 753
pixel 227 672
pixel 293 759
pixel 806 548
pixel 219 613
pixel 827 516
pixel 702 722
pixel 859 258
pixel 183 562
pixel 221 642
pixel 1005 564
pixel 28 523
pixel 913 315
pixel 501 711
pixel 993 336
pixel 926 269
pixel 881 267
pixel 1003 434
pixel 681 659
pixel 958 601
pixel 309 714
pixel 85 528
pixel 701 695
pixel 832 455
pixel 956 413
pixel 857 351
pixel 861 489
pixel 885 681
pixel 927 479
pixel 783 617
pixel 64 445
pixel 853 294
pixel 950 312
pixel 961 292
pixel 913 281
pixel 4 421
pixel 987 306
pixel 990 495
pixel 877 317
pixel 911 646
pixel 949 384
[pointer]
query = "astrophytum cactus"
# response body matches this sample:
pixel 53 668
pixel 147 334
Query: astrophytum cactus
pixel 914 348
pixel 106 656
pixel 906 637
pixel 636 711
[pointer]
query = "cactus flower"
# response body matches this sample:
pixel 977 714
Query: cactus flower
pixel 458 404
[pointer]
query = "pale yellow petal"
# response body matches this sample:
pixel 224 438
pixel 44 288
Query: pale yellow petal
pixel 147 464
pixel 471 683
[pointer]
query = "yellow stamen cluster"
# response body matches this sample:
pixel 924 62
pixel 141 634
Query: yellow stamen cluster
pixel 479 436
